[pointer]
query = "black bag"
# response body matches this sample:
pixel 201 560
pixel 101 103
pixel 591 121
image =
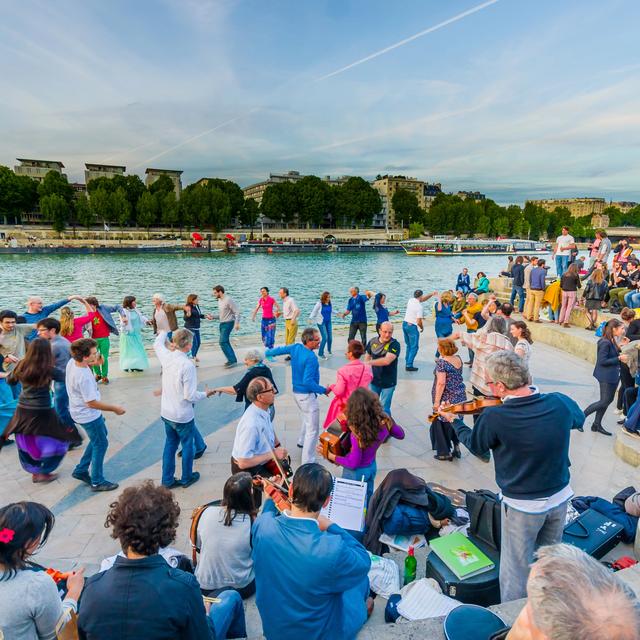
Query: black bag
pixel 482 589
pixel 594 533
pixel 484 514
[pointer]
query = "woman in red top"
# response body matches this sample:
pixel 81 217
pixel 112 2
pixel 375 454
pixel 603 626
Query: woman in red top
pixel 70 326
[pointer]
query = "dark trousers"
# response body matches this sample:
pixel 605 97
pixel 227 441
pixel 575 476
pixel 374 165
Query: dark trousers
pixel 354 327
pixel 607 394
pixel 630 396
pixel 626 382
pixel 245 592
pixel 442 437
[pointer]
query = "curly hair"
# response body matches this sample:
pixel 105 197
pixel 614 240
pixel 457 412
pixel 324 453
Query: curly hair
pixel 365 416
pixel 144 518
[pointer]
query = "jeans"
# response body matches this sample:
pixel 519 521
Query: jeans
pixel 411 340
pixel 96 450
pixel 197 341
pixel 600 406
pixel 368 474
pixel 177 433
pixel 354 327
pixel 226 618
pixel 15 390
pixel 268 331
pixel 632 300
pixel 385 395
pixel 103 349
pixel 225 344
pixel 522 534
pixel 562 264
pixel 327 338
pixel 310 430
pixel 568 302
pixel 517 290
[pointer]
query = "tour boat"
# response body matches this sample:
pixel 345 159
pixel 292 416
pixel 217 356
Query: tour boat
pixel 456 246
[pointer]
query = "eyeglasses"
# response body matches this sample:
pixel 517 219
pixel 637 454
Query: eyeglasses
pixel 270 389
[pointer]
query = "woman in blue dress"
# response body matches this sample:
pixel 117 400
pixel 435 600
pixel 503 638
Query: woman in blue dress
pixel 321 315
pixel 133 357
pixel 382 313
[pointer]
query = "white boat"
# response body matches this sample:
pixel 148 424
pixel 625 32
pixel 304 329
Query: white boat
pixel 440 246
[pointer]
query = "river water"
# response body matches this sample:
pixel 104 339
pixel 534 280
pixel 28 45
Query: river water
pixel 110 277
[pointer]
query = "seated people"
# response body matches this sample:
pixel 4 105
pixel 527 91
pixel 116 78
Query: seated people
pixel 311 575
pixel 224 539
pixel 369 427
pixel 141 596
pixel 30 606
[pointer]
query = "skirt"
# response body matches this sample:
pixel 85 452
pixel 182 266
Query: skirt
pixel 40 454
pixel 593 305
pixel 132 353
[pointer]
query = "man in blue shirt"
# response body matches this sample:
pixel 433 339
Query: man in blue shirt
pixel 37 310
pixel 311 575
pixel 358 310
pixel 305 377
pixel 536 290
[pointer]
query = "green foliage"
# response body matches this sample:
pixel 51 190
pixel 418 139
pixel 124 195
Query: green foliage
pixel 18 194
pixel 250 213
pixel 169 209
pixel 280 202
pixel 56 210
pixel 100 204
pixel 120 207
pixel 356 202
pixel 315 200
pixel 233 193
pixel 55 183
pixel 162 185
pixel 406 207
pixel 416 229
pixel 147 210
pixel 84 212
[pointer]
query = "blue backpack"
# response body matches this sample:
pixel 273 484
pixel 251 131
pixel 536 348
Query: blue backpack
pixel 600 329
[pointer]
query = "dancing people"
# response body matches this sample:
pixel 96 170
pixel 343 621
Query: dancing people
pixel 382 313
pixel 382 354
pixel 321 316
pixel 102 326
pixel 193 316
pixel 229 317
pixel 357 307
pixel 270 310
pixel 133 356
pixel 72 326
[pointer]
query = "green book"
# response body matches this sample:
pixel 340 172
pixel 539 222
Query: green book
pixel 461 555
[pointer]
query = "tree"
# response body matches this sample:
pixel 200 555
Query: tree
pixel 416 229
pixel 250 213
pixel 100 203
pixel 233 192
pixel 357 202
pixel 163 185
pixel 314 200
pixel 218 207
pixel 56 210
pixel 147 210
pixel 169 211
pixel 120 207
pixel 84 212
pixel 280 202
pixel 55 183
pixel 134 188
pixel 18 194
pixel 406 208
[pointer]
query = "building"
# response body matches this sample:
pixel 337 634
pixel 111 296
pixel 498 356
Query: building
pixel 578 207
pixel 387 186
pixel 624 205
pixel 78 189
pixel 93 171
pixel 431 191
pixel 151 175
pixel 472 195
pixel 37 169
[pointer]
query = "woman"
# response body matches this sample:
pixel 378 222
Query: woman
pixel 30 606
pixel 369 427
pixel 71 327
pixel 42 439
pixel 458 305
pixel 594 294
pixel 607 372
pixel 627 381
pixel 133 357
pixel 224 540
pixel 321 315
pixel 569 284
pixel 352 375
pixel 444 315
pixel 192 318
pixel 382 313
pixel 622 252
pixel 522 336
pixel 481 283
pixel 448 388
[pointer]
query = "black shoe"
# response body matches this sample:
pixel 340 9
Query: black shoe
pixel 174 484
pixel 104 486
pixel 197 455
pixel 621 421
pixel 411 368
pixel 457 453
pixel 83 476
pixel 75 445
pixel 7 442
pixel 601 430
pixel 195 476
pixel 229 365
pixel 288 358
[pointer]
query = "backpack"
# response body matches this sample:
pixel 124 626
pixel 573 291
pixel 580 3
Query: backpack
pixel 485 519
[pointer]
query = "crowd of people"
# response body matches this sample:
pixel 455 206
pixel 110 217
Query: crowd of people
pixel 309 575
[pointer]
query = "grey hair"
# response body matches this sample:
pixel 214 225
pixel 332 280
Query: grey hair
pixel 496 324
pixel 573 597
pixel 157 296
pixel 307 334
pixel 255 387
pixel 387 324
pixel 31 299
pixel 254 355
pixel 509 368
pixel 181 338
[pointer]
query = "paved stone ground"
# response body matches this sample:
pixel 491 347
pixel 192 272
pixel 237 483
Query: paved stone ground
pixel 136 441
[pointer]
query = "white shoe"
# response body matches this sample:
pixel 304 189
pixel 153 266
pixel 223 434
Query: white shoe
pixel 618 412
pixel 323 357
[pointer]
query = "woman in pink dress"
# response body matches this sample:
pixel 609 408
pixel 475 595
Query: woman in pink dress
pixel 352 375
pixel 70 326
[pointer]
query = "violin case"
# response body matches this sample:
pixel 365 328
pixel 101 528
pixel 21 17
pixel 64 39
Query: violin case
pixel 483 589
pixel 594 533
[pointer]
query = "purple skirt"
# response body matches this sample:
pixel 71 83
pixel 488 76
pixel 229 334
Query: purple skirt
pixel 40 454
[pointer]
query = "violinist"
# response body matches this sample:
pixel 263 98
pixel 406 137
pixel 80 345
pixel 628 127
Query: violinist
pixel 311 575
pixel 529 436
pixel 255 442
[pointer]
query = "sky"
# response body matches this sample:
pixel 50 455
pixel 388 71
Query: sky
pixel 515 98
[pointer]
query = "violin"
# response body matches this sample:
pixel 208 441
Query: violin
pixel 58 576
pixel 466 408
pixel 275 491
pixel 277 467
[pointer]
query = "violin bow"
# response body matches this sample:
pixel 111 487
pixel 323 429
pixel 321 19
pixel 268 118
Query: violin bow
pixel 283 475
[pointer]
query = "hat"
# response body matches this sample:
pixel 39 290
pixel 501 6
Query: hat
pixel 472 622
pixel 632 504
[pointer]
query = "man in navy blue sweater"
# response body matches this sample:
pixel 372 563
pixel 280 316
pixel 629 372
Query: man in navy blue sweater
pixel 529 436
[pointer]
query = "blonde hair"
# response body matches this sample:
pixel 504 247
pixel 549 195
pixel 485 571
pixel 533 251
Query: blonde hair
pixel 66 321
pixel 447 298
pixel 597 276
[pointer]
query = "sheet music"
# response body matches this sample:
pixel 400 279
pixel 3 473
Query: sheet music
pixel 346 507
pixel 423 601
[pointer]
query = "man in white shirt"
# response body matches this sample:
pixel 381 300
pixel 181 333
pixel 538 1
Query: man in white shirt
pixel 229 316
pixel 290 313
pixel 562 251
pixel 412 326
pixel 179 393
pixel 86 409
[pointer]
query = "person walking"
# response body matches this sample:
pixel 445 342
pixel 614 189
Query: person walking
pixel 595 293
pixel 321 316
pixel 290 313
pixel 412 326
pixel 562 250
pixel 569 283
pixel 163 317
pixel 382 313
pixel 102 326
pixel 133 356
pixel 517 284
pixel 607 372
pixel 229 317
pixel 357 307
pixel 193 317
pixel 520 332
pixel 270 311
pixel 382 354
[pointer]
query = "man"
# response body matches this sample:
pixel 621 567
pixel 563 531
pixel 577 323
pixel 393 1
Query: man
pixel 356 306
pixel 85 408
pixel 305 377
pixel 229 316
pixel 290 313
pixel 179 393
pixel 37 310
pixel 49 329
pixel 624 296
pixel 600 248
pixel 505 310
pixel 270 311
pixel 528 299
pixel 536 292
pixel 383 352
pixel 311 575
pixel 571 595
pixel 463 282
pixel 529 436
pixel 517 284
pixel 412 326
pixel 102 326
pixel 12 343
pixel 164 315
pixel 562 250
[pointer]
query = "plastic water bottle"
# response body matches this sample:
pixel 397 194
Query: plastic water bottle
pixel 410 566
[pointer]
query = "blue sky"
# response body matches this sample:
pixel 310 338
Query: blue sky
pixel 516 98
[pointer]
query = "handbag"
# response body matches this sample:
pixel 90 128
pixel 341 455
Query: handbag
pixel 484 513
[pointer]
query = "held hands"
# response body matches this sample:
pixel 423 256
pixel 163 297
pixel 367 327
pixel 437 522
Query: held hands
pixel 208 316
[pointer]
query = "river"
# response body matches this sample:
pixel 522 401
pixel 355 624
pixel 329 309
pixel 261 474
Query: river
pixel 110 277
